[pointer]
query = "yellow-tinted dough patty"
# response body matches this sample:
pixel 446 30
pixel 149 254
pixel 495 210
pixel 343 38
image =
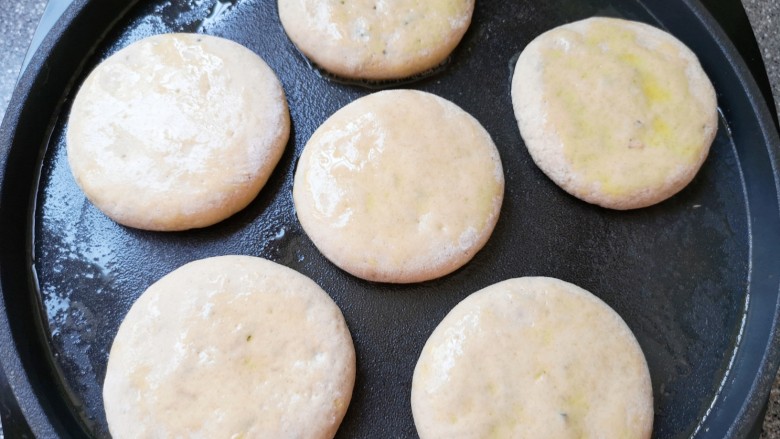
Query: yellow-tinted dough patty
pixel 617 113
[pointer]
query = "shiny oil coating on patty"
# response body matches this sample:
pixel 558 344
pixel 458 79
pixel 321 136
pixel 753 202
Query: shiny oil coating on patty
pixel 177 131
pixel 399 186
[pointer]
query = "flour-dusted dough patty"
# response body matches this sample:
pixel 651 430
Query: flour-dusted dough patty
pixel 399 186
pixel 177 131
pixel 617 113
pixel 532 358
pixel 230 347
pixel 372 39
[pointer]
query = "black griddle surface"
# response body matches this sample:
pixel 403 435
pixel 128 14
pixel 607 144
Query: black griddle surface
pixel 682 274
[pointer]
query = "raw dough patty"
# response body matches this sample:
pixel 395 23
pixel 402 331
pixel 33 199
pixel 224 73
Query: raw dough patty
pixel 177 131
pixel 371 39
pixel 532 358
pixel 232 347
pixel 399 186
pixel 617 113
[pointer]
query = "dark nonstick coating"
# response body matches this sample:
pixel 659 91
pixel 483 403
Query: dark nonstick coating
pixel 695 278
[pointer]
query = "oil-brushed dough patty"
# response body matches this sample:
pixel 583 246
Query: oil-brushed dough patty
pixel 233 347
pixel 371 39
pixel 532 358
pixel 177 131
pixel 617 113
pixel 399 186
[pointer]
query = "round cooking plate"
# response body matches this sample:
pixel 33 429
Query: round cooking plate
pixel 696 277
